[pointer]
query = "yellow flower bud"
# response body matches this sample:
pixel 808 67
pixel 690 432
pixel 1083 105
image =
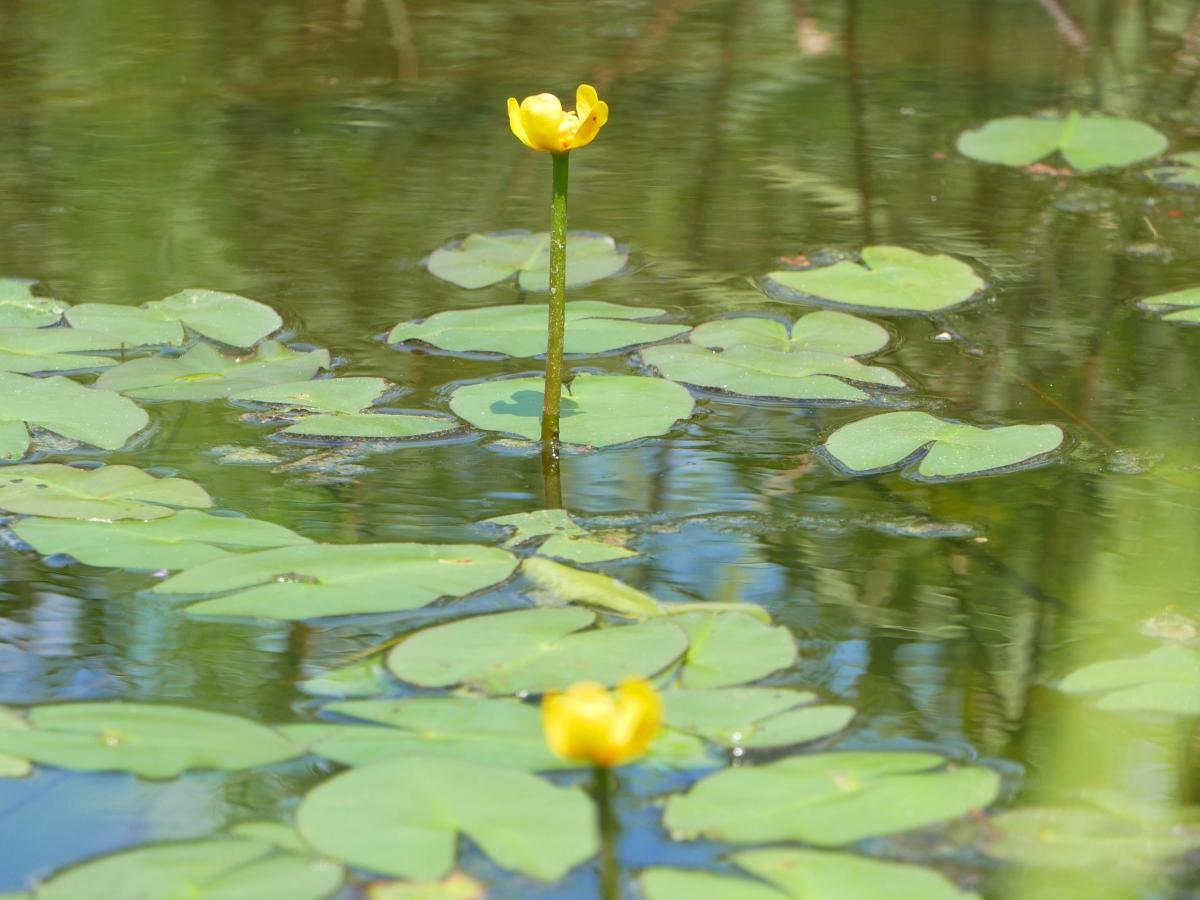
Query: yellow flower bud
pixel 542 124
pixel 588 723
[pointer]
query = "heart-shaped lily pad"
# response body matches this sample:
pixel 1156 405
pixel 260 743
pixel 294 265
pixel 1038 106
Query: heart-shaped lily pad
pixel 480 260
pixel 1181 172
pixel 1182 306
pixel 311 581
pixel 890 280
pixel 590 589
pixel 753 718
pixel 21 308
pixel 205 374
pixel 565 538
pixel 155 741
pixel 1087 143
pixel 830 799
pixel 597 410
pixel 221 868
pixel 95 417
pixel 804 875
pixel 188 538
pixel 535 650
pixel 1164 680
pixel 227 318
pixel 107 493
pixel 824 331
pixel 520 329
pixel 732 648
pixel 403 817
pixel 945 449
pixel 30 350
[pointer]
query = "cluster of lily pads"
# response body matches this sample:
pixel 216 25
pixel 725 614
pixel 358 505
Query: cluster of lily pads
pixel 435 730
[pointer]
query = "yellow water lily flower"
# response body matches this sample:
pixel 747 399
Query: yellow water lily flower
pixel 542 124
pixel 588 723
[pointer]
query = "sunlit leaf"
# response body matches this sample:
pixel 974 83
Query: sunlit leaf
pixel 890 280
pixel 753 718
pixel 944 449
pixel 824 331
pixel 1166 680
pixel 829 799
pixel 99 418
pixel 1087 143
pixel 106 493
pixel 315 580
pixel 590 589
pixel 1178 306
pixel 480 260
pixel 402 817
pixel 597 410
pixel 455 886
pixel 732 648
pixel 228 318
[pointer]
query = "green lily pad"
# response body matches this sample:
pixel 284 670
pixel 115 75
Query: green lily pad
pixel 944 449
pixel 534 650
pixel 1182 307
pixel 324 395
pixel 590 589
pixel 223 868
pixel 188 538
pixel 480 260
pixel 107 493
pixel 1164 680
pixel 403 817
pixel 228 318
pixel 455 886
pixel 732 648
pixel 379 426
pixel 1181 172
pixel 13 766
pixel 805 875
pixel 824 331
pixel 99 418
pixel 277 834
pixel 565 538
pixel 315 580
pixel 21 308
pixel 151 740
pixel 204 374
pixel 753 718
pixel 1087 143
pixel 890 280
pixel 830 799
pixel 598 411
pixel 30 350
pixel 520 329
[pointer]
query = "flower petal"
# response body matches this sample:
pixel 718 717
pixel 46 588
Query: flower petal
pixel 541 116
pixel 589 127
pixel 585 99
pixel 514 122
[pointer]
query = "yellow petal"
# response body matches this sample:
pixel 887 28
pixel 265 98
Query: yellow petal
pixel 585 99
pixel 541 116
pixel 638 718
pixel 588 127
pixel 514 122
pixel 578 723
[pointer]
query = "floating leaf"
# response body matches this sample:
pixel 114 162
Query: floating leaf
pixel 1181 172
pixel 228 318
pixel 567 540
pixel 204 374
pixel 484 259
pixel 753 718
pixel 945 449
pixel 30 350
pixel 805 875
pixel 590 589
pixel 534 650
pixel 890 280
pixel 107 493
pixel 326 395
pixel 1087 143
pixel 277 834
pixel 824 331
pixel 1164 680
pixel 188 538
pixel 21 308
pixel 382 425
pixel 13 766
pixel 732 648
pixel 224 868
pixel 455 886
pixel 520 329
pixel 597 411
pixel 100 418
pixel 1178 306
pixel 403 817
pixel 830 799
pixel 316 580
pixel 152 740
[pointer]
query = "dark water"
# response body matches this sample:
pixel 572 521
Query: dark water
pixel 309 154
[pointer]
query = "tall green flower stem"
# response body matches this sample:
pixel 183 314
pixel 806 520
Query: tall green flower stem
pixel 556 332
pixel 603 782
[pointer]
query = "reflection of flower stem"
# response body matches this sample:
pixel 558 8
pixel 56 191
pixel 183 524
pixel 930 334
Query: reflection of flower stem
pixel 552 395
pixel 610 875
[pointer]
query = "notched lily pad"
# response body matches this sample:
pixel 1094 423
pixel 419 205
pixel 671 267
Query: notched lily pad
pixel 597 410
pixel 203 373
pixel 1087 143
pixel 519 330
pixel 944 449
pixel 1180 171
pixel 1165 680
pixel 313 581
pixel 227 318
pixel 151 740
pixel 732 648
pixel 565 539
pixel 753 718
pixel 95 417
pixel 322 395
pixel 480 260
pixel 32 350
pixel 106 493
pixel 890 281
pixel 1181 307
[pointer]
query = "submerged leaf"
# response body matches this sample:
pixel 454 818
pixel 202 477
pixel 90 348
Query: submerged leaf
pixel 100 418
pixel 107 493
pixel 480 260
pixel 753 718
pixel 1087 143
pixel 1180 171
pixel 1166 680
pixel 566 539
pixel 1182 306
pixel 227 318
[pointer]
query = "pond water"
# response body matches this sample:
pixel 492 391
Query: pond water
pixel 310 155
